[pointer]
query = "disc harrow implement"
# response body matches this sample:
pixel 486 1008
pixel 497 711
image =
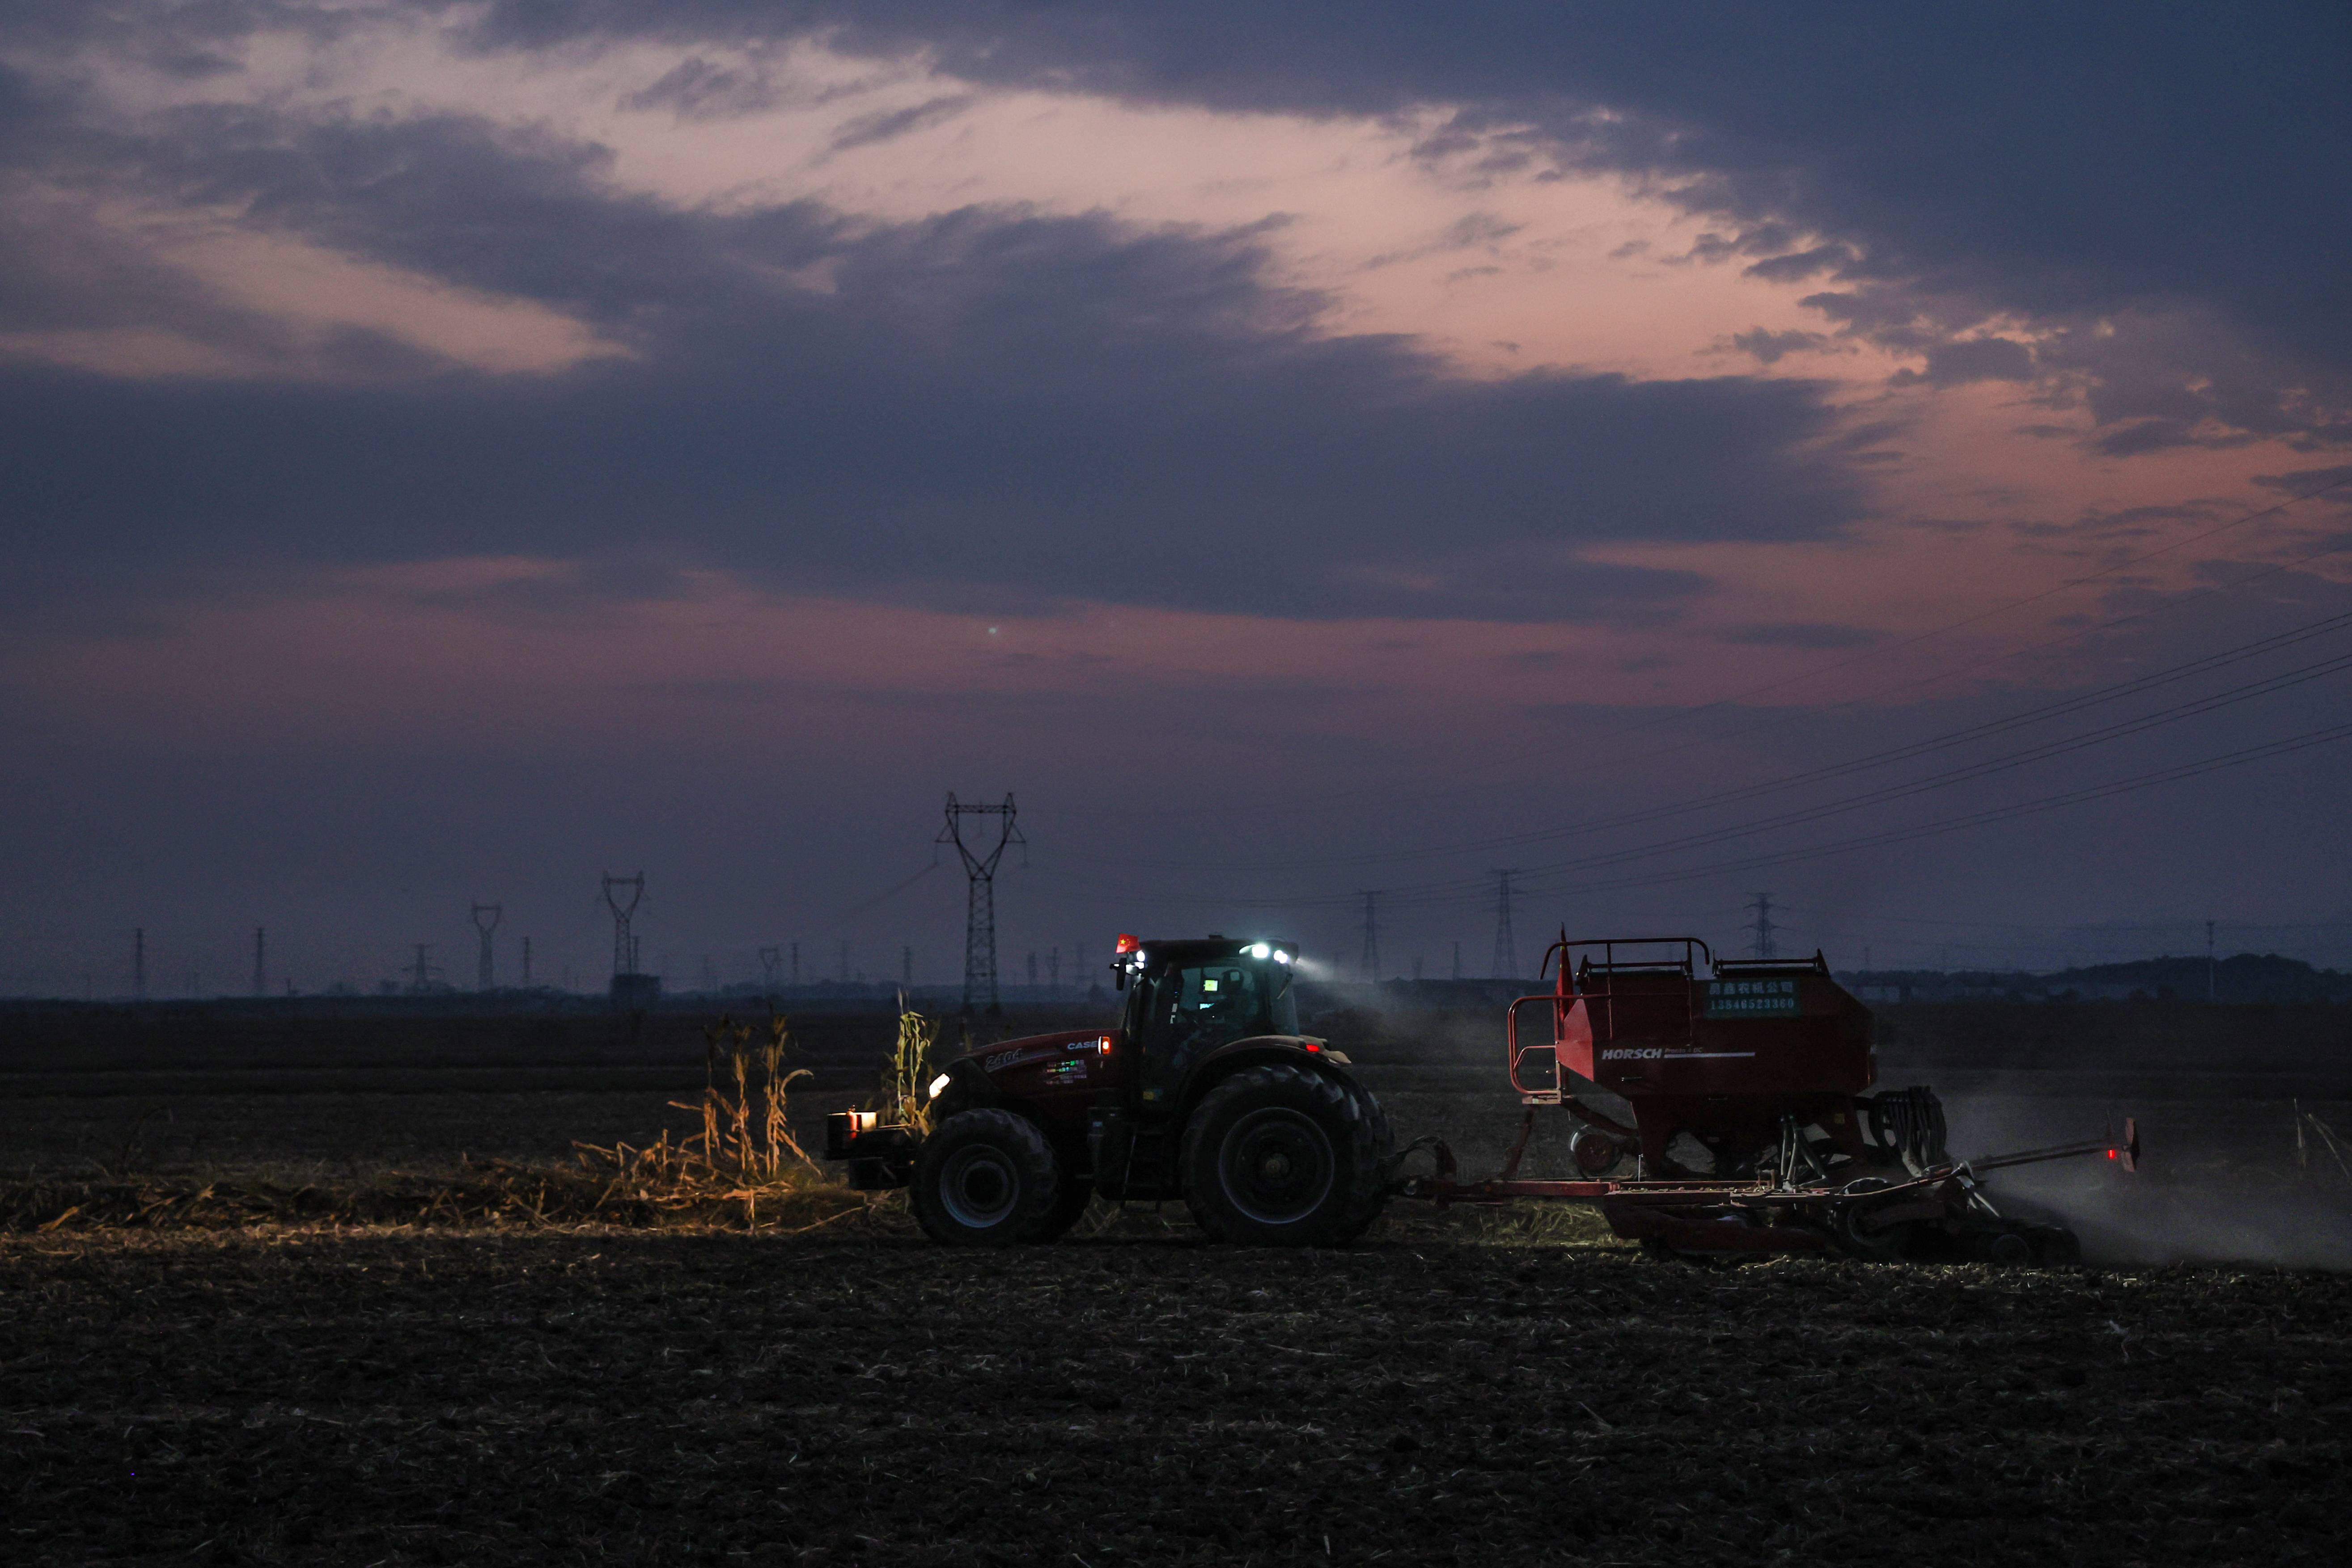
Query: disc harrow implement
pixel 1754 1130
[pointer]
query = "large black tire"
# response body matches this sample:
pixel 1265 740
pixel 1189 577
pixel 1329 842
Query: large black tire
pixel 1370 1207
pixel 1278 1156
pixel 1850 1238
pixel 1069 1207
pixel 2054 1246
pixel 986 1178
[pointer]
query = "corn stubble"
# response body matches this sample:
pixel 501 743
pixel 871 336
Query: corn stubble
pixel 745 1154
pixel 744 1169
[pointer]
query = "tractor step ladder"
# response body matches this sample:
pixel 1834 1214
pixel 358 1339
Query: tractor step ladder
pixel 1149 1161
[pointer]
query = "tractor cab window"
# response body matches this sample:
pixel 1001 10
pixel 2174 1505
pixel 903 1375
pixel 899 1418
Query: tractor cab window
pixel 1190 1011
pixel 1220 996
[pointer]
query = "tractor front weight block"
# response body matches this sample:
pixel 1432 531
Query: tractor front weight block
pixel 879 1158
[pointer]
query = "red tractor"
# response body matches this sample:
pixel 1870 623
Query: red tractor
pixel 1207 1091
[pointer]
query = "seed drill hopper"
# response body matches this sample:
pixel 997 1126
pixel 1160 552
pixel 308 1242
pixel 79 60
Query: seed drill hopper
pixel 1754 1130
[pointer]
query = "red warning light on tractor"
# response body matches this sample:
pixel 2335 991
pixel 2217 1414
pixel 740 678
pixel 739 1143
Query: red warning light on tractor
pixel 1126 943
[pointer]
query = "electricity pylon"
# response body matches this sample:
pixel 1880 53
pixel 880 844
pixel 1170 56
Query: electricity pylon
pixel 625 947
pixel 485 975
pixel 1761 938
pixel 1507 948
pixel 980 905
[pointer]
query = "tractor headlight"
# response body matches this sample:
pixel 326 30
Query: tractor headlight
pixel 1280 956
pixel 1260 951
pixel 939 1087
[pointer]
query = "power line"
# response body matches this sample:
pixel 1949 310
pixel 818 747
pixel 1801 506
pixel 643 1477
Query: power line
pixel 1944 741
pixel 1879 651
pixel 1447 892
pixel 2183 921
pixel 2240 758
pixel 1705 839
pixel 878 899
pixel 1970 772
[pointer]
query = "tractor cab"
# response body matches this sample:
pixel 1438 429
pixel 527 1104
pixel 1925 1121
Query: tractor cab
pixel 1186 999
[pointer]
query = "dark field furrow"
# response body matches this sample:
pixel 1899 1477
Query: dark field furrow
pixel 638 1397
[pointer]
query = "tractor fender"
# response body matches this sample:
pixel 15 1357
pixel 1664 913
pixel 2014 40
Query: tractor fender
pixel 1288 1050
pixel 969 1088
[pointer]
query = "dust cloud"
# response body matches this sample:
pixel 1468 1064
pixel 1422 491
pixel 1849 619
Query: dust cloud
pixel 2221 1181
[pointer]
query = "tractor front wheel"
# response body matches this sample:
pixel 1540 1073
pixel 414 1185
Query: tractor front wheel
pixel 986 1178
pixel 1277 1156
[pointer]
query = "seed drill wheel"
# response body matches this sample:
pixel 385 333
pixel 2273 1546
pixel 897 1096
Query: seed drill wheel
pixel 1595 1152
pixel 1851 1230
pixel 2054 1245
pixel 986 1178
pixel 1278 1156
pixel 2004 1249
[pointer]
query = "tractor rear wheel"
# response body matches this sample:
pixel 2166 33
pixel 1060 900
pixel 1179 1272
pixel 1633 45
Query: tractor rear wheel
pixel 1361 1218
pixel 986 1178
pixel 1278 1156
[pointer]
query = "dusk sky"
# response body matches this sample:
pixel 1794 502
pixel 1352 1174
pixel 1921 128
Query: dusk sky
pixel 1880 455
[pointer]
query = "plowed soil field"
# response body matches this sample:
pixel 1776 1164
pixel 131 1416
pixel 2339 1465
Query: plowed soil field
pixel 381 1397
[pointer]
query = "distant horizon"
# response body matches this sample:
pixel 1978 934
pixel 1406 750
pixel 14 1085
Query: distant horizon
pixel 1025 994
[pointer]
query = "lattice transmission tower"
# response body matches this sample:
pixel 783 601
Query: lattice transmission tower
pixel 980 905
pixel 485 971
pixel 1760 936
pixel 625 943
pixel 1507 947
